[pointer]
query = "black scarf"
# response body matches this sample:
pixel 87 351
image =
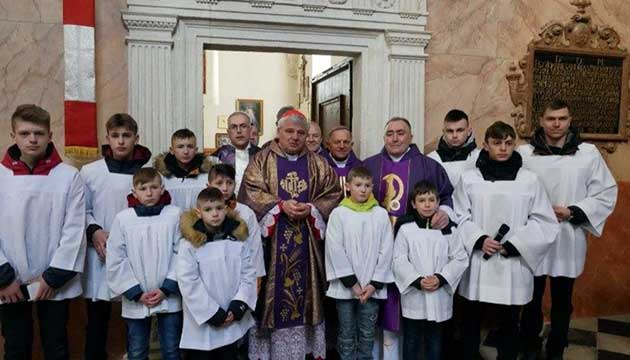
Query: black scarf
pixel 423 223
pixel 570 146
pixel 141 155
pixel 493 170
pixel 448 154
pixel 193 171
pixel 225 233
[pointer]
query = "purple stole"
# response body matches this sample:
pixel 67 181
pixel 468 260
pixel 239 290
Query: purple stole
pixel 394 186
pixel 342 172
pixel 292 248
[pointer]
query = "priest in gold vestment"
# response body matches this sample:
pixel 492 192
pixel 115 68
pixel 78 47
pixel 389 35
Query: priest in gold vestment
pixel 292 191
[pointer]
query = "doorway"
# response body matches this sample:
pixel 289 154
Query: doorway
pixel 263 82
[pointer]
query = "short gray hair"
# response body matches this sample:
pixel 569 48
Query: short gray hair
pixel 296 117
pixel 252 122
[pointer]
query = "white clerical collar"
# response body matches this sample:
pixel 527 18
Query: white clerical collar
pixel 292 157
pixel 241 150
pixel 398 158
pixel 340 164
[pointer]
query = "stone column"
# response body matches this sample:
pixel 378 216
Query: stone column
pixel 407 62
pixel 150 44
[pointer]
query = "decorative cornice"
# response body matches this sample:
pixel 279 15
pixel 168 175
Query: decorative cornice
pixel 406 40
pixel 139 22
pixel 211 2
pixel 363 12
pixel 313 8
pixel 261 4
pixel 412 16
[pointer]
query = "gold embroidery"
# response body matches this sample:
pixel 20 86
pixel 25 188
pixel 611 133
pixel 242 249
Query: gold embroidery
pixel 293 300
pixel 293 184
pixel 391 201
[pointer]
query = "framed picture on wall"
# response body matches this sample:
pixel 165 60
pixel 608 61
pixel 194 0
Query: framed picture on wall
pixel 254 108
pixel 221 139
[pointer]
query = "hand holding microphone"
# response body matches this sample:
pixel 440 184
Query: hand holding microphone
pixel 496 244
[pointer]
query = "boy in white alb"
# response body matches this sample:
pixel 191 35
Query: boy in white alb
pixel 42 246
pixel 184 170
pixel 500 192
pixel 141 266
pixel 216 278
pixel 108 181
pixel 222 177
pixel 583 193
pixel 359 242
pixel 457 150
pixel 427 265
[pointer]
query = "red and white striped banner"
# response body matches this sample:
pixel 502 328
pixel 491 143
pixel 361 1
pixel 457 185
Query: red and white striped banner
pixel 80 79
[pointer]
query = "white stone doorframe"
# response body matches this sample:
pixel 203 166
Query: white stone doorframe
pixel 387 39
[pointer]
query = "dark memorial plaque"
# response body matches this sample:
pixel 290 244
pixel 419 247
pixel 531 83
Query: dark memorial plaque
pixel 582 63
pixel 590 84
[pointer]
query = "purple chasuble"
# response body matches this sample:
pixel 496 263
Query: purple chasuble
pixel 292 251
pixel 392 192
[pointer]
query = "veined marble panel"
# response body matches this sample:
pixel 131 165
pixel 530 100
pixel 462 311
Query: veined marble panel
pixel 31 71
pixel 463 27
pixel 111 63
pixel 469 83
pixel 38 11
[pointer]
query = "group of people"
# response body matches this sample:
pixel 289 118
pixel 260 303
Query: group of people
pixel 282 251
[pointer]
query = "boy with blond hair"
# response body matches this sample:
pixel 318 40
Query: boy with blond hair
pixel 359 244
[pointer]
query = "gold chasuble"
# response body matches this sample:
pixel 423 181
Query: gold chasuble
pixel 293 291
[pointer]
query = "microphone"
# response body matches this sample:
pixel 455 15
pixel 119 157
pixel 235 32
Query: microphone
pixel 503 230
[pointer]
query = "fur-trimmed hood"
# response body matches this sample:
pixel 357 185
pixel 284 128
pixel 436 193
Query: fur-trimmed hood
pixel 198 238
pixel 164 163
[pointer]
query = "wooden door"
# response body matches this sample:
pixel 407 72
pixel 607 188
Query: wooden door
pixel 332 97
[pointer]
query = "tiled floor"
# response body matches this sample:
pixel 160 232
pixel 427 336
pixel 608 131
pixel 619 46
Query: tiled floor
pixel 605 338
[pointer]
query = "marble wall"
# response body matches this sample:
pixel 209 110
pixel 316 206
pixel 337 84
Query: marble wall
pixel 31 61
pixel 473 43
